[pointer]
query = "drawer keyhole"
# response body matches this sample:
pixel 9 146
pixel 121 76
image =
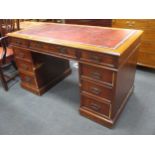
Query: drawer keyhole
pixel 95 58
pixel 17 42
pixel 63 50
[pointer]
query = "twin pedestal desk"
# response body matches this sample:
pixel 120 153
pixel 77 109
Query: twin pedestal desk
pixel 107 60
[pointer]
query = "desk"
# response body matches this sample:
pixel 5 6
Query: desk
pixel 107 60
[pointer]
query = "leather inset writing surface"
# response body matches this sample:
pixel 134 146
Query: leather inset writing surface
pixel 95 36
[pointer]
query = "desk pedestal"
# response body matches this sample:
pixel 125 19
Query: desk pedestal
pixel 40 72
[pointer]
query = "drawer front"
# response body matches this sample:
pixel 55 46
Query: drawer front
pixel 23 54
pixel 149 34
pixel 147 59
pixel 29 80
pixel 23 65
pixel 98 74
pixel 97 90
pixel 95 106
pixel 99 58
pixel 147 46
pixel 129 23
pixel 68 52
pixel 41 46
pixel 19 42
pixel 59 50
pixel 151 23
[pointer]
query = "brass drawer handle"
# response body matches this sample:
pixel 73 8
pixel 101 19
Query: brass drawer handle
pixel 63 50
pixel 27 79
pixel 59 21
pixel 95 91
pixel 127 22
pixel 131 23
pixel 95 58
pixel 95 75
pixel 24 66
pixel 18 42
pixel 95 107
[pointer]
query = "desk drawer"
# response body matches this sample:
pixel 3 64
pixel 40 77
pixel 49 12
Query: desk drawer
pixel 95 106
pixel 28 79
pixel 24 65
pixel 59 50
pixel 151 23
pixel 149 34
pixel 146 58
pixel 19 42
pixel 99 58
pixel 99 91
pixel 98 74
pixel 68 52
pixel 130 23
pixel 147 46
pixel 42 46
pixel 23 54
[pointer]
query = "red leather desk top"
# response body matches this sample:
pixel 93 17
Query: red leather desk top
pixel 95 36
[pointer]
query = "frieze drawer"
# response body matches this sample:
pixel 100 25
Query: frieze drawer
pixel 19 42
pixel 99 58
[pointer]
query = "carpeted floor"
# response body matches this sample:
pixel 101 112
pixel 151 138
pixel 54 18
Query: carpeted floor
pixel 56 112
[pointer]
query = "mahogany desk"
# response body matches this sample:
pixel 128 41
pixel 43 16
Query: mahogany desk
pixel 107 60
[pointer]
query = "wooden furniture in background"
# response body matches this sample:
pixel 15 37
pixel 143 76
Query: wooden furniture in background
pixel 29 24
pixel 8 25
pixel 107 60
pixel 92 22
pixel 146 56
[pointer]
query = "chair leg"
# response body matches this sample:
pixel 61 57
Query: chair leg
pixel 4 83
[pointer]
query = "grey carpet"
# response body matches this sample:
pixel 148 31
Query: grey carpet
pixel 56 112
